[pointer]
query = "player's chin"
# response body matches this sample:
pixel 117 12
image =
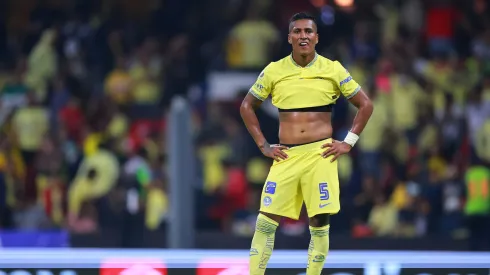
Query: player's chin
pixel 305 51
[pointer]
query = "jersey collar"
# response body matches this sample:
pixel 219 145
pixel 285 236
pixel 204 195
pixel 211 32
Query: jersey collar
pixel 309 64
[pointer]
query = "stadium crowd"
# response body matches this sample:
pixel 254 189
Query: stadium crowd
pixel 85 89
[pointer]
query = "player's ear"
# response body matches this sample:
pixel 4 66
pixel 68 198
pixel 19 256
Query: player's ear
pixel 289 39
pixel 317 38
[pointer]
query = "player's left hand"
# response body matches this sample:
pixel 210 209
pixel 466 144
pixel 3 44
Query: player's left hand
pixel 335 149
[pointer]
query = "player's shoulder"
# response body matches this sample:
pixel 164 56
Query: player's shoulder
pixel 327 62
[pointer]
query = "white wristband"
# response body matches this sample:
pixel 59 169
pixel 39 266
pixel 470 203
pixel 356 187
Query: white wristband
pixel 351 138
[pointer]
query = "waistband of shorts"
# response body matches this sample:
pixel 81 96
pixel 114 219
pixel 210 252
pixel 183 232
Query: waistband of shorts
pixel 314 145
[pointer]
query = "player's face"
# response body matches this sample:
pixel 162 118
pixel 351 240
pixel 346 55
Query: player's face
pixel 303 37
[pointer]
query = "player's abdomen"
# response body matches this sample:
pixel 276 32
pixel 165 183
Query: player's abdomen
pixel 304 127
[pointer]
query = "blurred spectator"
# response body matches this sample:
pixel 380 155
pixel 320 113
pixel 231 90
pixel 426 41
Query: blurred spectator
pixel 406 103
pixel 138 167
pixel 477 208
pixel 119 84
pixel 212 155
pixel 42 64
pixel 12 173
pixel 252 41
pixel 441 19
pixel 235 139
pixel 157 195
pixel 146 72
pixel 72 120
pixel 370 146
pixel 156 205
pixel 383 217
pixel 477 112
pixel 30 124
pixel 14 93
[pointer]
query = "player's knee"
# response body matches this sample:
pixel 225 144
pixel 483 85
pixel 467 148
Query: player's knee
pixel 273 217
pixel 320 220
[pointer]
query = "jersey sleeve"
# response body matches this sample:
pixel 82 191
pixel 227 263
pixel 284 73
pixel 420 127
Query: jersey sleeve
pixel 348 86
pixel 263 85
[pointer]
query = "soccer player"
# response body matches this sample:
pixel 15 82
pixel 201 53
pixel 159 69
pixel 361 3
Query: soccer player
pixel 304 87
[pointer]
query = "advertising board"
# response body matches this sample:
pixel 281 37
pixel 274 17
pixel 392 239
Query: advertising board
pixel 234 262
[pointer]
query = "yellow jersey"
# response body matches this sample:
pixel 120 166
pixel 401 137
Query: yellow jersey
pixel 293 87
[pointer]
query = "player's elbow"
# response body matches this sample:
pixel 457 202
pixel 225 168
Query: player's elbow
pixel 367 106
pixel 245 108
pixel 248 104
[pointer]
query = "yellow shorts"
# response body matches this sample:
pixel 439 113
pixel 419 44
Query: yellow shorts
pixel 303 176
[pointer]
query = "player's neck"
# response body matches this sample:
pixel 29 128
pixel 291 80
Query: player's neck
pixel 303 60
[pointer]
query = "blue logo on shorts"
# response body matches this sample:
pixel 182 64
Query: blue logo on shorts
pixel 267 201
pixel 270 187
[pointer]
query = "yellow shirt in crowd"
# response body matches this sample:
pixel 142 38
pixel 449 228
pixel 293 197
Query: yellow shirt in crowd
pixel 156 207
pixel 383 219
pixel 407 99
pixel 372 135
pixel 249 44
pixel 31 124
pixel 119 86
pixel 146 90
pixel 214 173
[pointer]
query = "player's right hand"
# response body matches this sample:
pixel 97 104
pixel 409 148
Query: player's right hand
pixel 274 151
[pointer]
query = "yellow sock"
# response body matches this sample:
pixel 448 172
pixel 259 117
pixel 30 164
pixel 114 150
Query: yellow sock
pixel 262 244
pixel 318 249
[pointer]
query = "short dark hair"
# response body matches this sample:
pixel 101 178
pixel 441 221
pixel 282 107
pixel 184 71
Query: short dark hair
pixel 301 16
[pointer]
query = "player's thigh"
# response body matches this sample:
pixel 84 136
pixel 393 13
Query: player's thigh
pixel 281 194
pixel 320 187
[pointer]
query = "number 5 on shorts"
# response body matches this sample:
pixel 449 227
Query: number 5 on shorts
pixel 324 195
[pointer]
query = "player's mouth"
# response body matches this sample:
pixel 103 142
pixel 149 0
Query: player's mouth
pixel 304 44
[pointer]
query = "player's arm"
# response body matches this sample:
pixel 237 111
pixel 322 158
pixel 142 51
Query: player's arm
pixel 256 95
pixel 247 110
pixel 356 96
pixel 364 111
